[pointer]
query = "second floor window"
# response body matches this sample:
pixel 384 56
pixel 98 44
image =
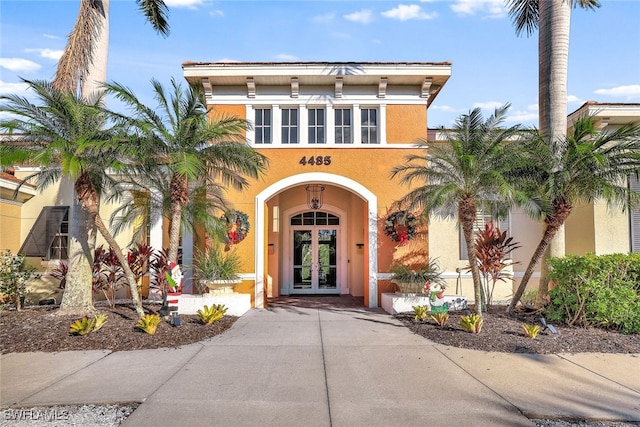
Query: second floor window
pixel 343 126
pixel 263 126
pixel 369 125
pixel 289 125
pixel 316 126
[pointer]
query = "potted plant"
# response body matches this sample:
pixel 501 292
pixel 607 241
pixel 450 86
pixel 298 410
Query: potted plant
pixel 412 279
pixel 216 269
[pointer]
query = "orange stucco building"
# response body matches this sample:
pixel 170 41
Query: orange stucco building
pixel 342 127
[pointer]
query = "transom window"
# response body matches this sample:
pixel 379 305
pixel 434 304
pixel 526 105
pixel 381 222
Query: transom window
pixel 369 125
pixel 289 125
pixel 263 126
pixel 343 126
pixel 315 218
pixel 316 126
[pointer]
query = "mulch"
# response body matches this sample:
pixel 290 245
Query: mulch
pixel 45 329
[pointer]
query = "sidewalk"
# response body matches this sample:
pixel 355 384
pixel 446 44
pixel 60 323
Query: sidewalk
pixel 328 367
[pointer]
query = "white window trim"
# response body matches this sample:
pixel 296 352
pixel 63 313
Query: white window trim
pixel 329 128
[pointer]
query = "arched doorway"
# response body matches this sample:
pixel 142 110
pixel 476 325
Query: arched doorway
pixel 314 273
pixel 315 255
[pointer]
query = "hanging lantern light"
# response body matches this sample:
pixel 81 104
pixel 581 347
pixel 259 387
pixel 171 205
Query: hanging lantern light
pixel 314 195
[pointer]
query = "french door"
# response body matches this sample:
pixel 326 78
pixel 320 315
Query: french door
pixel 315 260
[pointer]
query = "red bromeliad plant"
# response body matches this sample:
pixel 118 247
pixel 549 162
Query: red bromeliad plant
pixel 138 259
pixel 111 276
pixel 159 267
pixel 492 251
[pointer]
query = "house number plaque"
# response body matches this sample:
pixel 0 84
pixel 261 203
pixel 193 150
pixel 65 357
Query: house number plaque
pixel 315 160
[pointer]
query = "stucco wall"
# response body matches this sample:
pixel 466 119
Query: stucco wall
pixel 10 226
pixel 406 123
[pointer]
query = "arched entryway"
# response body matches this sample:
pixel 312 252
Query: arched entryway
pixel 316 251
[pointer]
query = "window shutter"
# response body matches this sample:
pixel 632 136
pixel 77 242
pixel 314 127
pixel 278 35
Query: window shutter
pixel 43 232
pixel 634 220
pixel 481 220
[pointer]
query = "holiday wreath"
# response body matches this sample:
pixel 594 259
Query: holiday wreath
pixel 237 227
pixel 400 226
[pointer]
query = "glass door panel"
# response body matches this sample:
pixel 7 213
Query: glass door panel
pixel 315 260
pixel 327 259
pixel 302 259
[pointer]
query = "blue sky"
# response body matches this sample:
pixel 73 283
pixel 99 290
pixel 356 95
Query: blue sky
pixel 490 64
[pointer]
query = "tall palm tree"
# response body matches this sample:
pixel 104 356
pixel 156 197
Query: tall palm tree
pixel 553 20
pixel 65 136
pixel 83 64
pixel 187 148
pixel 584 166
pixel 82 68
pixel 465 173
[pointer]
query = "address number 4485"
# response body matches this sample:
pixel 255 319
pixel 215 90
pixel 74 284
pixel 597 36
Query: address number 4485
pixel 315 160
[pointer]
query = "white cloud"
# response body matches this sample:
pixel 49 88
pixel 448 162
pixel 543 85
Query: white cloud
pixel 189 4
pixel 51 36
pixel 216 12
pixel 405 12
pixel 19 65
pixel 525 117
pixel 324 19
pixel 286 57
pixel 493 8
pixel 54 54
pixel 363 16
pixel 572 99
pixel 490 105
pixel 628 91
pixel 14 88
pixel 446 108
pixel 228 60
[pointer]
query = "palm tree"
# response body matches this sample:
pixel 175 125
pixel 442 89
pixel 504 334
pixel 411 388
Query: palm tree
pixel 456 178
pixel 65 136
pixel 585 166
pixel 82 68
pixel 187 151
pixel 553 20
pixel 84 61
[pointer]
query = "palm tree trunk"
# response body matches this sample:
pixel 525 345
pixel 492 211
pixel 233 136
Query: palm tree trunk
pixel 179 191
pixel 553 59
pixel 77 298
pixel 467 216
pixel 89 199
pixel 562 210
pixel 97 70
pixel 549 232
pixel 131 278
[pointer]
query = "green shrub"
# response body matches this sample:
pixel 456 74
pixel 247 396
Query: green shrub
pixel 601 291
pixel 14 275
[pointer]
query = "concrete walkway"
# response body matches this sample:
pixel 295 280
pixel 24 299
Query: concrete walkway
pixel 294 366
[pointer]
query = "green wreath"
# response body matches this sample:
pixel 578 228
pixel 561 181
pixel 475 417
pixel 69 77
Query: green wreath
pixel 237 227
pixel 400 226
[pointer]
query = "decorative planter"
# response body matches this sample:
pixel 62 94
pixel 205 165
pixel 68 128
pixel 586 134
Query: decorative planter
pixel 221 286
pixel 395 303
